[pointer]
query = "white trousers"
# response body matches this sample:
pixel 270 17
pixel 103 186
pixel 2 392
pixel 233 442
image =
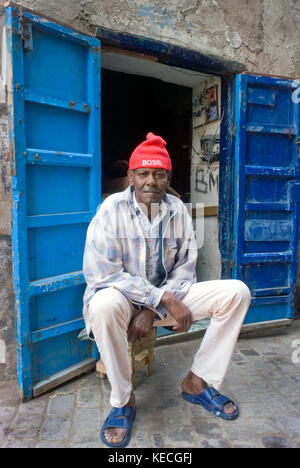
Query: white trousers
pixel 225 301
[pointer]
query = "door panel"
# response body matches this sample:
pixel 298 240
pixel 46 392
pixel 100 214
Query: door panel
pixel 55 121
pixel 266 213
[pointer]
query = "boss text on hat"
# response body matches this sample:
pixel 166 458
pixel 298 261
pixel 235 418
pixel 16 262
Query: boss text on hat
pixel 151 162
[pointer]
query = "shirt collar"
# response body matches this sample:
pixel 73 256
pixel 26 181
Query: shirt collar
pixel 162 209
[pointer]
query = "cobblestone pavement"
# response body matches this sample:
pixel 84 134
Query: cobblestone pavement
pixel 262 379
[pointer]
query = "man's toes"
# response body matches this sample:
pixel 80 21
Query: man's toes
pixel 110 434
pixel 114 436
pixel 118 437
pixel 229 408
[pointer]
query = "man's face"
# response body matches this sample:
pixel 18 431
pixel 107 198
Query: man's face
pixel 149 184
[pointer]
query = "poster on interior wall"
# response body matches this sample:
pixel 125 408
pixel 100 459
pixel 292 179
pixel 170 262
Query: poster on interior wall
pixel 210 148
pixel 205 106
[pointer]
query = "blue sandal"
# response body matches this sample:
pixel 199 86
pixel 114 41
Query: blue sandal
pixel 119 417
pixel 213 402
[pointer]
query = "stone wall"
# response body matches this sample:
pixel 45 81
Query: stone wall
pixel 262 34
pixel 7 328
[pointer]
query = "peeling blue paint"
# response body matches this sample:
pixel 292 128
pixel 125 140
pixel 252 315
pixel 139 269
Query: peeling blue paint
pixel 167 19
pixel 163 17
pixel 149 12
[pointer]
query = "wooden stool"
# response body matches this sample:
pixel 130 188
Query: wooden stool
pixel 140 355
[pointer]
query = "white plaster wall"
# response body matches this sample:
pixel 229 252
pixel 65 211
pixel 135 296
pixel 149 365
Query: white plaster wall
pixel 210 186
pixel 209 259
pixel 204 189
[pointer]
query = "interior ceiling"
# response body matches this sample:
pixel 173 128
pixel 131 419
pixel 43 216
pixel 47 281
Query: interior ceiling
pixel 133 65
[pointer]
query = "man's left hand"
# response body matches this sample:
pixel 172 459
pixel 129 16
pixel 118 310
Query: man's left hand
pixel 141 324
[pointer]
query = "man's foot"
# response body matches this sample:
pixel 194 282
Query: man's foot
pixel 116 435
pixel 195 385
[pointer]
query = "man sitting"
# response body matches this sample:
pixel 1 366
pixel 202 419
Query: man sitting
pixel 139 264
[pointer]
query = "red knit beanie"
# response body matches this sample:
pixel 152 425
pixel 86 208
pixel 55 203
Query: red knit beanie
pixel 151 153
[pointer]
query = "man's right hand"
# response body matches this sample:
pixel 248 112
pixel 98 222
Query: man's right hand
pixel 179 312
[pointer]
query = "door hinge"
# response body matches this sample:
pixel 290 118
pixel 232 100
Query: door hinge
pixel 25 30
pixel 234 130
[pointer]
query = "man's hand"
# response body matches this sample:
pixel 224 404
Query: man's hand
pixel 141 324
pixel 179 312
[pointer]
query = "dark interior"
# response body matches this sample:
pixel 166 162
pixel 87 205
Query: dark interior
pixel 134 105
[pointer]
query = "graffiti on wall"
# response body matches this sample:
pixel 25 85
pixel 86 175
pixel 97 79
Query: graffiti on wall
pixel 206 181
pixel 164 17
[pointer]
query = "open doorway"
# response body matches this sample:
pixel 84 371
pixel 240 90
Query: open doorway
pixel 141 95
pixel 134 105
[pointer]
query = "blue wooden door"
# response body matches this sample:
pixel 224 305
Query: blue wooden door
pixel 55 137
pixel 267 190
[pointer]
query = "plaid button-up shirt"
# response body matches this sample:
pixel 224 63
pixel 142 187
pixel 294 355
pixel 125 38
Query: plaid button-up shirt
pixel 151 235
pixel 115 253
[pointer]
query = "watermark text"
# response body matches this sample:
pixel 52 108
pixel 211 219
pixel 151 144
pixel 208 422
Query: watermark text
pixel 2 352
pixel 296 353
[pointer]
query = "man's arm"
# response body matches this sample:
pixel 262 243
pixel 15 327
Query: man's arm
pixel 179 311
pixel 141 324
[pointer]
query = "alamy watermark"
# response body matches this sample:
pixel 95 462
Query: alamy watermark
pixel 120 223
pixel 296 354
pixel 2 352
